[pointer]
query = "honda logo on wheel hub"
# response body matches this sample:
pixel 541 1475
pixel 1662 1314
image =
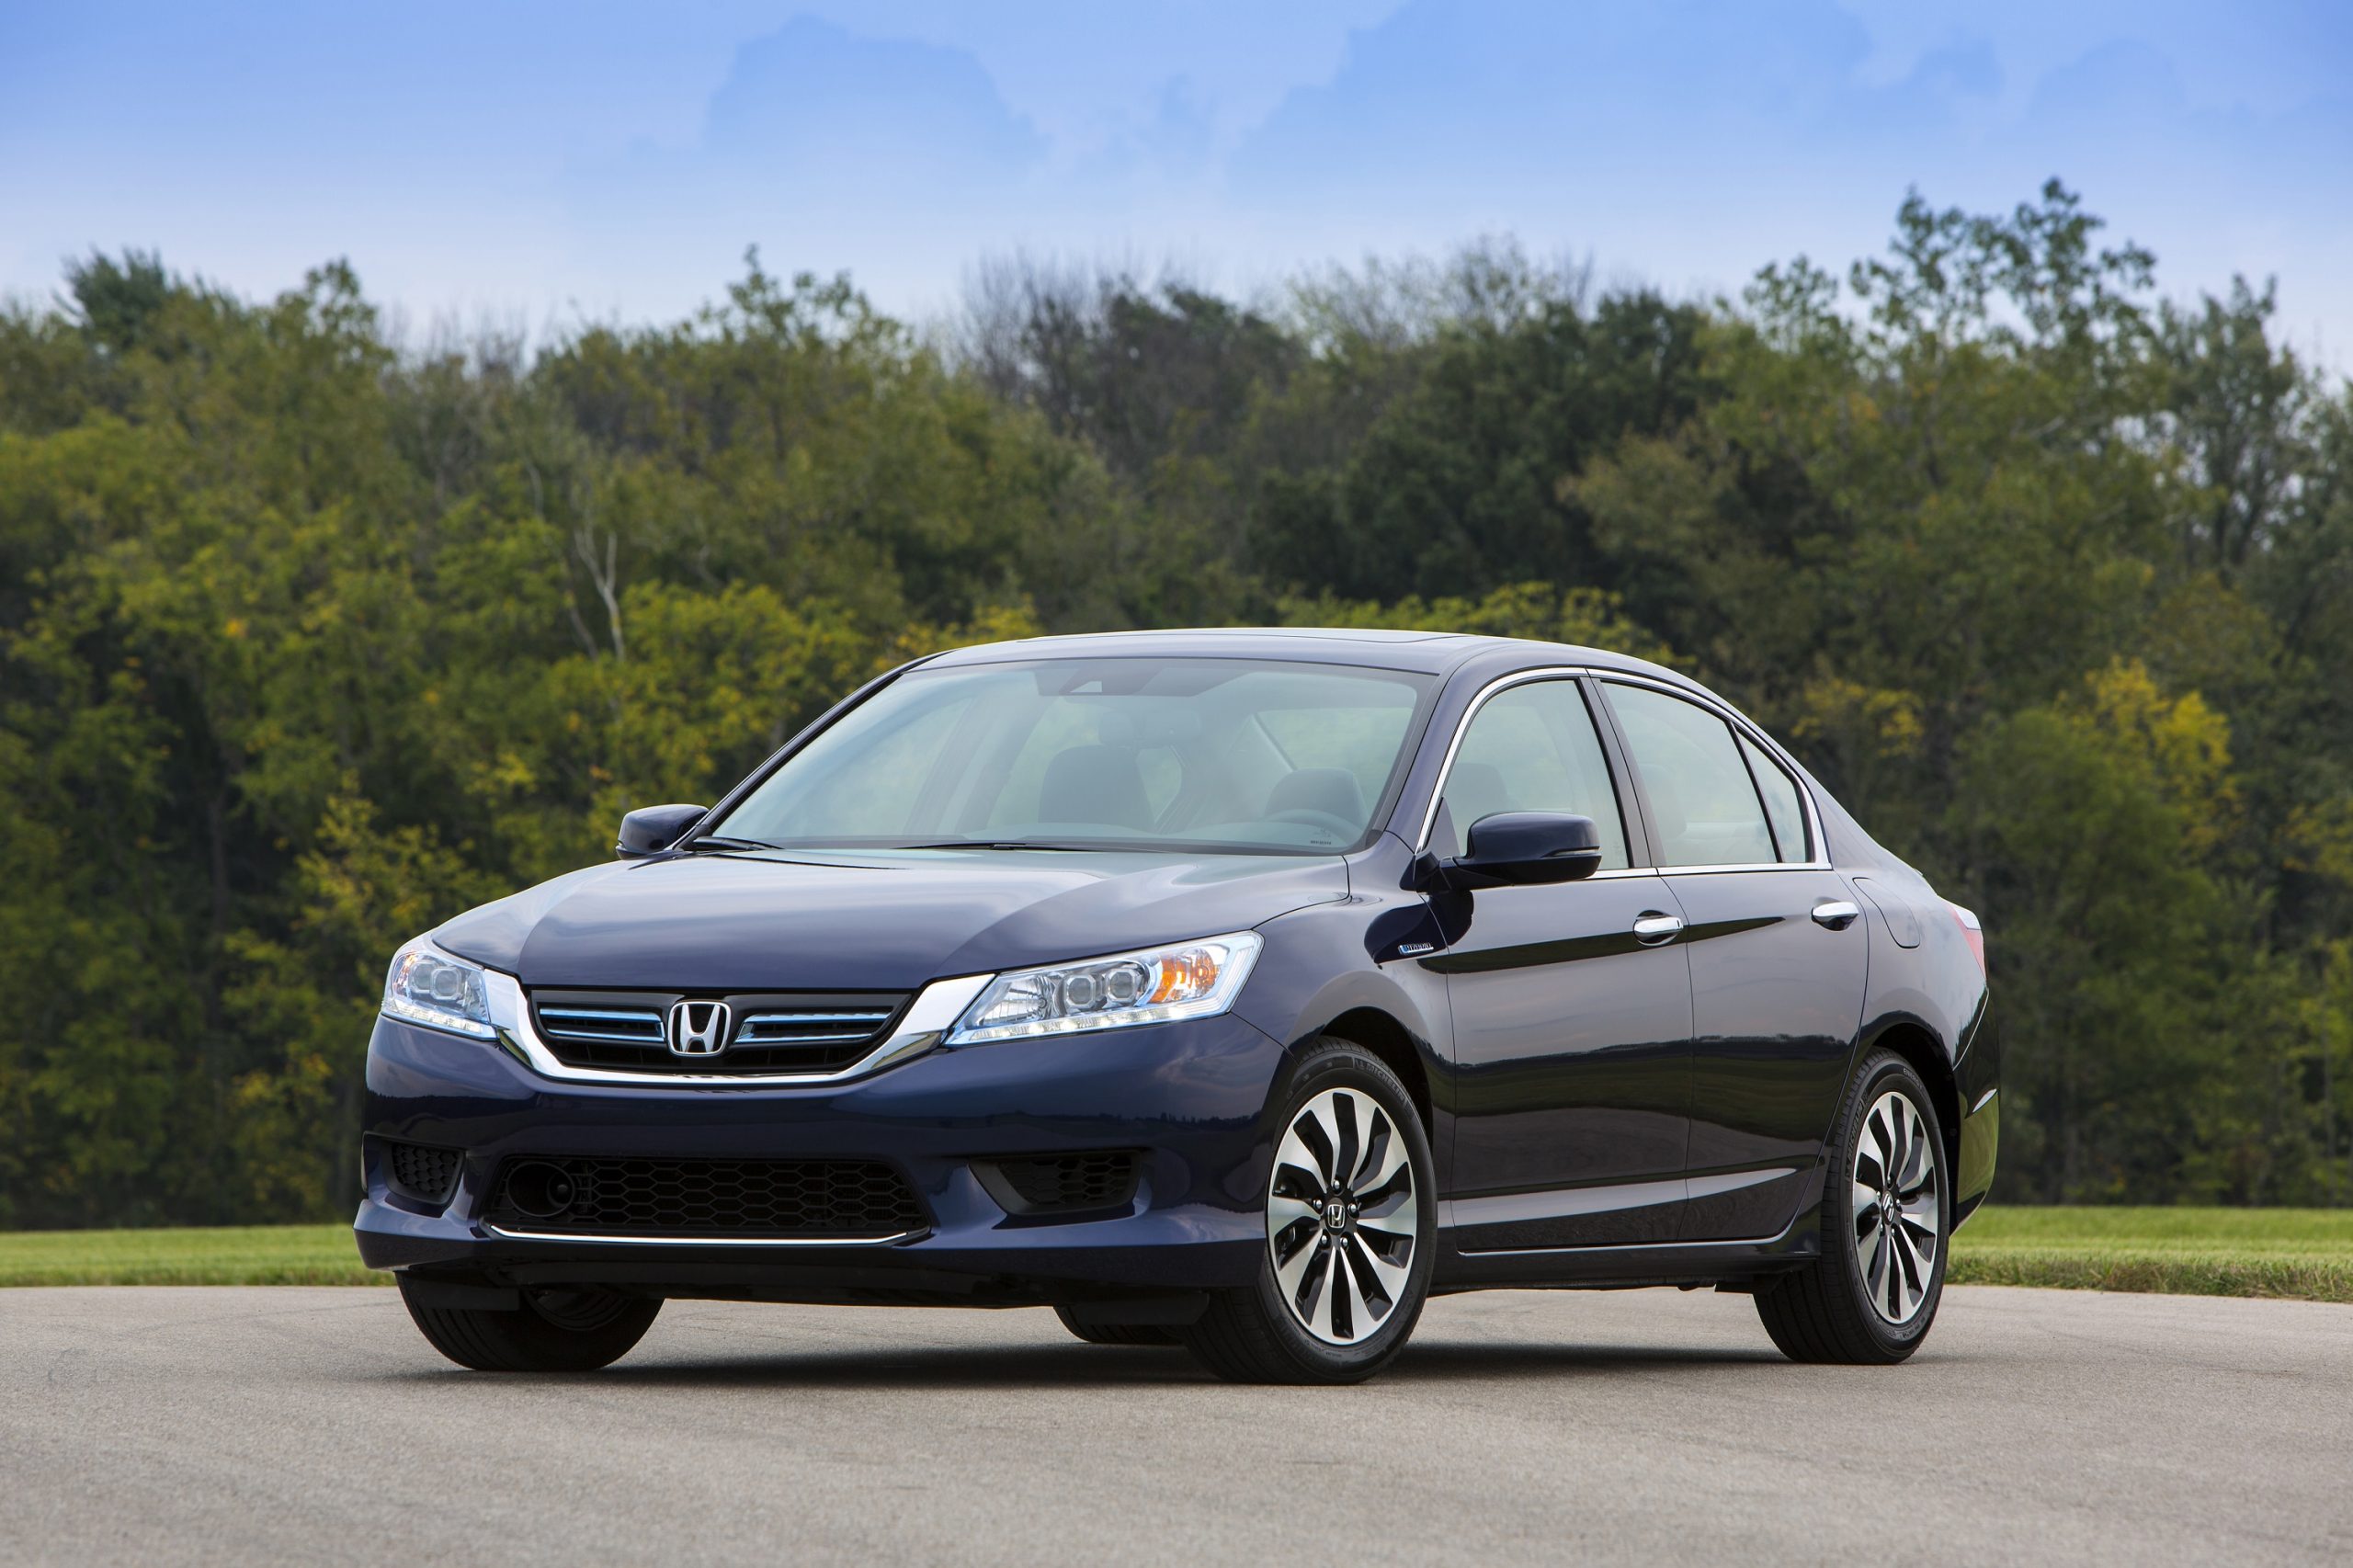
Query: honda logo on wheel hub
pixel 699 1029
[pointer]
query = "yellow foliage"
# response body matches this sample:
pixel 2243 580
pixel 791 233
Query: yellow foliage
pixel 2183 743
pixel 1581 616
pixel 1832 708
pixel 995 624
pixel 2319 840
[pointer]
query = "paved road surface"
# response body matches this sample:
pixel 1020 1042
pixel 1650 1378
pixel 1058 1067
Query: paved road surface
pixel 229 1426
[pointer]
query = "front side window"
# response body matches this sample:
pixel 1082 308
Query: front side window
pixel 1703 804
pixel 1532 748
pixel 1119 753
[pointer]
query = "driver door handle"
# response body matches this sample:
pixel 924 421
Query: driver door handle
pixel 1837 913
pixel 1651 927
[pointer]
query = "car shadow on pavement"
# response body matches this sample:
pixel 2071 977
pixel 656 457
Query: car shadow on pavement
pixel 1011 1367
pixel 1441 1360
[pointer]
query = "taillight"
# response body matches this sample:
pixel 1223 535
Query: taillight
pixel 1970 930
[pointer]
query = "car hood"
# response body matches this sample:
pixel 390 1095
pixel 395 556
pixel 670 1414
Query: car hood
pixel 889 922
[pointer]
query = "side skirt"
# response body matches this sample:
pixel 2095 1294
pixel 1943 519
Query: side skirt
pixel 1608 1268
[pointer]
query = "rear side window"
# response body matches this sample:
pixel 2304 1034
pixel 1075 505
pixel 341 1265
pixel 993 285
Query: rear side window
pixel 1781 807
pixel 1703 802
pixel 1532 748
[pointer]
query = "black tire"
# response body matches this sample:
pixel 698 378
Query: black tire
pixel 552 1331
pixel 1154 1335
pixel 1250 1335
pixel 1824 1312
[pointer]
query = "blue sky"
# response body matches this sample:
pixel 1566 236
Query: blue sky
pixel 530 162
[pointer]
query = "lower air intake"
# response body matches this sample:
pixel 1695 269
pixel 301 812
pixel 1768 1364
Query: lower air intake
pixel 686 1199
pixel 419 1174
pixel 1062 1184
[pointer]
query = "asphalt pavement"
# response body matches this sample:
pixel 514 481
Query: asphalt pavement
pixel 262 1426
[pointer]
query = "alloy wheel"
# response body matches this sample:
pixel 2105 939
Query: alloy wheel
pixel 1897 1210
pixel 1342 1217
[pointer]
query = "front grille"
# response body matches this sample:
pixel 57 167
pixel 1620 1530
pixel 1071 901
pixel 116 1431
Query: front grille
pixel 1048 1184
pixel 420 1173
pixel 772 1032
pixel 686 1197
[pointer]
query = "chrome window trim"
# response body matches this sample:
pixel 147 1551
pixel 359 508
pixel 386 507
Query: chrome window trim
pixel 925 1022
pixel 1721 709
pixel 1462 727
pixel 603 1240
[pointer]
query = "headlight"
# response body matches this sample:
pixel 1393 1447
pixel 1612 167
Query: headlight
pixel 1151 986
pixel 427 986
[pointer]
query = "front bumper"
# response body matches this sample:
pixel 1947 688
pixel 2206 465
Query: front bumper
pixel 1193 1096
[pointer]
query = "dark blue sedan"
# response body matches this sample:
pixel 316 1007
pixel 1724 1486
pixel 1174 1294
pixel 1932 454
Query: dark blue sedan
pixel 1234 990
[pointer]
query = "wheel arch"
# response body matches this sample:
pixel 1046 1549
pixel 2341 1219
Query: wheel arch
pixel 1381 1033
pixel 1317 977
pixel 1927 1055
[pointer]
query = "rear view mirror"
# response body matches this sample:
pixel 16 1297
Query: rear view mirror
pixel 649 830
pixel 1527 848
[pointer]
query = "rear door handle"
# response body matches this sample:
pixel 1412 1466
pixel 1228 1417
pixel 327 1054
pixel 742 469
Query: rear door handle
pixel 1651 927
pixel 1837 913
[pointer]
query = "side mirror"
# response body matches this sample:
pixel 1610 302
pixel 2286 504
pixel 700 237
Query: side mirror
pixel 1527 848
pixel 649 830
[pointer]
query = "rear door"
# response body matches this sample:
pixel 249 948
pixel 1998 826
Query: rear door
pixel 1778 956
pixel 1572 1035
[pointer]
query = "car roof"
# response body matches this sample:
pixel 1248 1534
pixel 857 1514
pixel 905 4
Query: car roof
pixel 1426 652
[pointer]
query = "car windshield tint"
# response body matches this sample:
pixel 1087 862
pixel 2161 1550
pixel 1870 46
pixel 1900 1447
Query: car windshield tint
pixel 1177 754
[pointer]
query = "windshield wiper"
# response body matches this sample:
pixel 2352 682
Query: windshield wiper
pixel 1000 843
pixel 721 841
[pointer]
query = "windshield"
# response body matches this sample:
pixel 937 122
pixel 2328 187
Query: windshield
pixel 1188 753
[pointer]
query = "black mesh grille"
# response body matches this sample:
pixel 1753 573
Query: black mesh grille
pixel 768 1031
pixel 422 1174
pixel 722 1198
pixel 1046 1183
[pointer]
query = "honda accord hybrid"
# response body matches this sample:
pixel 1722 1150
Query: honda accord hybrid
pixel 1231 990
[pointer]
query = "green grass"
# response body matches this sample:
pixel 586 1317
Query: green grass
pixel 236 1255
pixel 2306 1254
pixel 2302 1253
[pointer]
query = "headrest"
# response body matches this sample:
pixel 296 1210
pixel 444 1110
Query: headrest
pixel 1095 784
pixel 1474 789
pixel 1331 790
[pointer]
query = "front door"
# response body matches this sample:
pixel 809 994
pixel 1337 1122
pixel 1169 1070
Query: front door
pixel 1777 957
pixel 1572 1027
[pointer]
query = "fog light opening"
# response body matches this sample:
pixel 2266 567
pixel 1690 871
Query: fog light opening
pixel 538 1189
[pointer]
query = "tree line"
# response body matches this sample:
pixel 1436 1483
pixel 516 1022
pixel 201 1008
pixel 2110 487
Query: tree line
pixel 311 637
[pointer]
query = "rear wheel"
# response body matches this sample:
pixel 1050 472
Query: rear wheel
pixel 1870 1297
pixel 1349 1216
pixel 554 1330
pixel 1132 1333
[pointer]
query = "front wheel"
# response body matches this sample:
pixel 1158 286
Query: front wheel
pixel 1350 1214
pixel 1870 1297
pixel 554 1330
